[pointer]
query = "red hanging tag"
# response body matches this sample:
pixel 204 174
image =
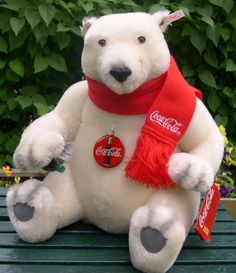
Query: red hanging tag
pixel 109 151
pixel 174 16
pixel 207 213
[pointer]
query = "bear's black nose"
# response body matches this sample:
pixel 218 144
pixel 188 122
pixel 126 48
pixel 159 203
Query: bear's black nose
pixel 120 73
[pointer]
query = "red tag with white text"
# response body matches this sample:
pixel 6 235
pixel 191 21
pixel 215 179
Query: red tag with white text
pixel 207 213
pixel 174 16
pixel 109 151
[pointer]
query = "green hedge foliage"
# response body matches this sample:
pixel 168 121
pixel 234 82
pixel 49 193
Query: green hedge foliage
pixel 41 43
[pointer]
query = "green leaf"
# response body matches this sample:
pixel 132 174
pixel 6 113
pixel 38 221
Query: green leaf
pixel 32 17
pixel 208 20
pixel 230 47
pixel 62 28
pixel 76 30
pixel 223 51
pixel 52 29
pixel 40 63
pixel 4 22
pixel 205 11
pixel 223 110
pixel 11 144
pixel 230 65
pixel 40 33
pixel 41 108
pixel 213 101
pixel 57 62
pixel 3 108
pixel 63 40
pixel 210 59
pixel 2 64
pixel 213 35
pixel 15 42
pixel 65 6
pixel 221 120
pixel 3 95
pixel 3 45
pixel 11 76
pixel 207 77
pixel 228 92
pixel 33 48
pixel 232 21
pixel 218 3
pixel 234 102
pixel 2 80
pixel 187 71
pixel 47 12
pixel 87 7
pixel 185 10
pixel 187 31
pixel 39 98
pixel 24 101
pixel 198 41
pixel 29 90
pixel 228 5
pixel 14 4
pixel 18 67
pixel 223 32
pixel 154 8
pixel 11 103
pixel 133 4
pixel 17 24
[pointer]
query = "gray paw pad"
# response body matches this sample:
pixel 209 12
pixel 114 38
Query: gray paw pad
pixel 24 212
pixel 152 239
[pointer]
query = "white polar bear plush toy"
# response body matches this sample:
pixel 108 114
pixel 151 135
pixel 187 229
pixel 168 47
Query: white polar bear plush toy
pixel 145 176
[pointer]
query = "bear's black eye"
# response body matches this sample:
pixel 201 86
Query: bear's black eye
pixel 141 39
pixel 102 42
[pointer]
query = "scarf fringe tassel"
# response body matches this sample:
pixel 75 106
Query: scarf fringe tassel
pixel 148 164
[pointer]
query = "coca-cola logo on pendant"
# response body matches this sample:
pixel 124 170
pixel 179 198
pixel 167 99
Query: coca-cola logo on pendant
pixel 168 123
pixel 108 151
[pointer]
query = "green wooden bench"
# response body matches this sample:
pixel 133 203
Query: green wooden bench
pixel 82 248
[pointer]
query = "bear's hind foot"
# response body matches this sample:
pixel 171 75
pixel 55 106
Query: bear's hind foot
pixel 32 211
pixel 155 239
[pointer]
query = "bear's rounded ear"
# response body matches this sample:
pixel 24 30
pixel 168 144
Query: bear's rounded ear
pixel 86 24
pixel 159 18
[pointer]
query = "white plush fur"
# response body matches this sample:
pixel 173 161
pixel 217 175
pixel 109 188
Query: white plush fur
pixel 106 197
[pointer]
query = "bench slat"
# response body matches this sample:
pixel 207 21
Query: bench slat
pixel 109 255
pixel 221 215
pixel 60 256
pixel 21 268
pixel 225 228
pixel 107 241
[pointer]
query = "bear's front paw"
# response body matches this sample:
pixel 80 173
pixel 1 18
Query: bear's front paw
pixel 191 172
pixel 37 152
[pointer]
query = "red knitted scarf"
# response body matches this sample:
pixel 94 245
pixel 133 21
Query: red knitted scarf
pixel 169 102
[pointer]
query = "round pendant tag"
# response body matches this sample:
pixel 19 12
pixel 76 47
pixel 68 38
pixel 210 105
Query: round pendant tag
pixel 108 151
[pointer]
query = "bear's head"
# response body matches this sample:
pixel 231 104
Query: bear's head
pixel 123 51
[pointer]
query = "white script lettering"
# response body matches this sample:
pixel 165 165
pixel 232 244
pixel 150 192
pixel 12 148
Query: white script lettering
pixel 114 151
pixel 170 124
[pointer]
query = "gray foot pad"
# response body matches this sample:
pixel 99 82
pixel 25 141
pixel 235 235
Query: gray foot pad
pixel 23 212
pixel 152 239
